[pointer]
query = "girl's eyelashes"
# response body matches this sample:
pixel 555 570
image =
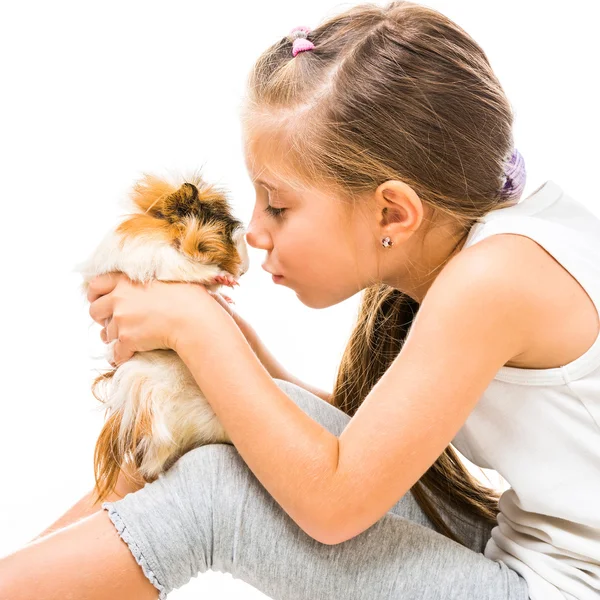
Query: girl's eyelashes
pixel 271 210
pixel 274 212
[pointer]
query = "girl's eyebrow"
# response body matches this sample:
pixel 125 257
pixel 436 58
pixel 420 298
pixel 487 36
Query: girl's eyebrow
pixel 267 185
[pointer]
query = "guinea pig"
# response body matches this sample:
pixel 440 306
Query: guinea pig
pixel 181 230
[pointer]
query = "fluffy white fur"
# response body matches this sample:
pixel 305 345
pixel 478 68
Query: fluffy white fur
pixel 156 387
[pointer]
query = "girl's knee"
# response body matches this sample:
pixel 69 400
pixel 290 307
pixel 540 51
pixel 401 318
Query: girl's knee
pixel 172 523
pixel 210 479
pixel 202 460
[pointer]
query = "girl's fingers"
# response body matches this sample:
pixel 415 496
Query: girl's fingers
pixel 111 331
pixel 101 285
pixel 222 302
pixel 101 309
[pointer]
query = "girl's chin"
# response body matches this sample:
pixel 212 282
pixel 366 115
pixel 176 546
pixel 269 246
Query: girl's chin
pixel 316 302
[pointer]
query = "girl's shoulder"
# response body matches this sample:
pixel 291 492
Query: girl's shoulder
pixel 562 318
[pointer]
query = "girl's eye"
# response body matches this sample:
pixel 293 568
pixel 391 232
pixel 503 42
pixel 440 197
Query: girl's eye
pixel 274 212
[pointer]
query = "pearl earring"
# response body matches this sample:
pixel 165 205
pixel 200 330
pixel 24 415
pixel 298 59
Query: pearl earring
pixel 386 242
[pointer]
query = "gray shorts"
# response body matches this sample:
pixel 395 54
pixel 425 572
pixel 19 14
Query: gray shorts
pixel 208 511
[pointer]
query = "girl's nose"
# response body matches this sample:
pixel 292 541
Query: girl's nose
pixel 257 237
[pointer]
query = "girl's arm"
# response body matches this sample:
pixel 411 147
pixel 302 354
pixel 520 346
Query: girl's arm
pixel 480 312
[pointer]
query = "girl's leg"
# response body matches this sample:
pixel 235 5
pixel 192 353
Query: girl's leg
pixel 86 506
pixel 210 512
pixel 86 560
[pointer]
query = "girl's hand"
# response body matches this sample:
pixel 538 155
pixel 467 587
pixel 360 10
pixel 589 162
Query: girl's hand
pixel 226 302
pixel 148 316
pixel 243 325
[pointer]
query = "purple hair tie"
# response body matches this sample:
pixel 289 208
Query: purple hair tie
pixel 301 44
pixel 515 176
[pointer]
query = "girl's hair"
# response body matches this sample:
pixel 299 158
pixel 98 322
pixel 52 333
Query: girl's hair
pixel 391 92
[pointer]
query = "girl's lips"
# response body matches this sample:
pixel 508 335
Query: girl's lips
pixel 276 278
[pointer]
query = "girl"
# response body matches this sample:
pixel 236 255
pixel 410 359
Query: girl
pixel 380 145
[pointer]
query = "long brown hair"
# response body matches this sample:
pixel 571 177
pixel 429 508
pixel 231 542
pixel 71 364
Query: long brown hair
pixel 390 92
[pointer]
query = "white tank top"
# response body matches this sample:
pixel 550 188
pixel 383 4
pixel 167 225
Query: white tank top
pixel 540 428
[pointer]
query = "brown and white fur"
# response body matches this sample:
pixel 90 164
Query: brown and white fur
pixel 155 412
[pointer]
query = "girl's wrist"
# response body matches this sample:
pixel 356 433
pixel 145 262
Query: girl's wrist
pixel 191 334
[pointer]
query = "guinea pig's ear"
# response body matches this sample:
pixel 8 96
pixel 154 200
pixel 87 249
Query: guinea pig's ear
pixel 149 192
pixel 181 203
pixel 161 199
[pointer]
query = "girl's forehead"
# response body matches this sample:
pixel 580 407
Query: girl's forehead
pixel 260 162
pixel 260 172
pixel 265 169
pixel 268 158
pixel 269 161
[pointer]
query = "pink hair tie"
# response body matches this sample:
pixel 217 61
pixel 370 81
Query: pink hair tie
pixel 301 44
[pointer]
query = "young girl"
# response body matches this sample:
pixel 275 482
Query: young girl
pixel 380 144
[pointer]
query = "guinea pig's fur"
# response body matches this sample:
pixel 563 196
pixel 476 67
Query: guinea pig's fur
pixel 155 412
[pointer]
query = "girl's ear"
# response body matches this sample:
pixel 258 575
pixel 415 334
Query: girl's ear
pixel 400 211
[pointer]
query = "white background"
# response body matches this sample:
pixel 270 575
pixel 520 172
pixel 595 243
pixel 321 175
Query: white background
pixel 95 93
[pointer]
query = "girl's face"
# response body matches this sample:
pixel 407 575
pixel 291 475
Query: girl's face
pixel 319 251
pixel 327 251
